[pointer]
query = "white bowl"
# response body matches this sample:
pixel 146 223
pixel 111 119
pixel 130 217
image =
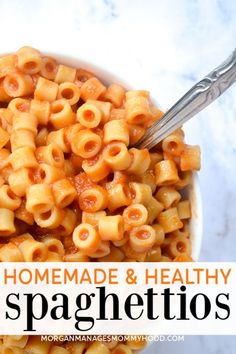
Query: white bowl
pixel 194 188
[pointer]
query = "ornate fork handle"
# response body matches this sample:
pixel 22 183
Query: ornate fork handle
pixel 198 97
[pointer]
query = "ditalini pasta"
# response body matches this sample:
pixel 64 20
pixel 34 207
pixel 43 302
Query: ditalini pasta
pixel 72 187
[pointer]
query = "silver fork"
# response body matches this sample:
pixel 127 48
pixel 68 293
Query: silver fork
pixel 198 97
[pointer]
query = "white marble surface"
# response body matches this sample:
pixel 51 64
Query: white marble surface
pixel 164 46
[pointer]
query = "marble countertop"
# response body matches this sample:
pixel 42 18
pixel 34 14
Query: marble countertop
pixel 163 46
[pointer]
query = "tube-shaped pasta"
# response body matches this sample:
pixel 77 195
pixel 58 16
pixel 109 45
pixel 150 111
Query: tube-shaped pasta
pixel 61 114
pixel 78 256
pixel 135 215
pixel 69 168
pixel 135 133
pixel 33 251
pixel 11 350
pixel 48 174
pixel 160 235
pixel 4 124
pixel 50 219
pixel 6 172
pixel 142 238
pixel 45 90
pixel 21 238
pixel 4 154
pixel 16 85
pixel 10 253
pixel 58 137
pixel 48 68
pixel 7 65
pixel 19 105
pixel 86 144
pixel 117 113
pixel 83 75
pixel 125 238
pixel 137 93
pixel 184 210
pixel 98 348
pixel 93 199
pixel 116 130
pixel 184 179
pixel 104 107
pixel 96 168
pixel 190 158
pixel 121 349
pixel 53 257
pixel 184 231
pixel 92 218
pixel 115 255
pixel 15 341
pixel 117 196
pixel 183 258
pixel 137 110
pixel 41 138
pixel 58 350
pixel 6 117
pixel 23 157
pixel 168 196
pixel 26 121
pixel 7 226
pixel 88 115
pixel 68 223
pixel 92 89
pixel 22 138
pixel 153 255
pixel 166 173
pixel 36 346
pixel 29 60
pixel 71 131
pixel 64 193
pixel 22 214
pixel 69 91
pixel 155 158
pixel 140 161
pixel 4 137
pixel 179 245
pixel 39 198
pixel 173 144
pixel 114 94
pixel 136 344
pixel 41 110
pixel 103 250
pixel 135 256
pixel 86 238
pixel 111 228
pixel 169 220
pixel 65 74
pixel 148 177
pixel 50 154
pixel 117 156
pixel 8 199
pixel 140 193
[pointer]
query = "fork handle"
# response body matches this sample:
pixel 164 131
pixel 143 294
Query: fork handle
pixel 198 97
